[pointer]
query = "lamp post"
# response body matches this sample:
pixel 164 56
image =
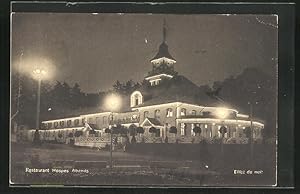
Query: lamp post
pixel 222 114
pixel 38 74
pixel 112 103
pixel 111 138
pixel 251 131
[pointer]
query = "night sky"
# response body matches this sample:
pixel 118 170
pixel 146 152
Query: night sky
pixel 95 50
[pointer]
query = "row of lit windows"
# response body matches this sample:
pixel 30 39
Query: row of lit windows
pixel 169 113
pixel 63 123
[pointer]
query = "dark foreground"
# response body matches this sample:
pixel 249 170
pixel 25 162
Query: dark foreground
pixel 82 166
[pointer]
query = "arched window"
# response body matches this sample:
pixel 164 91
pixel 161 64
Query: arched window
pixel 183 112
pixel 49 125
pixel 169 112
pixel 136 98
pixel 56 124
pixel 69 123
pixel 76 122
pixel 183 129
pixel 193 112
pixel 83 121
pixel 62 123
pixel 157 114
pixel 146 114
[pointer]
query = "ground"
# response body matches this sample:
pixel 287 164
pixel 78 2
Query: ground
pixel 128 168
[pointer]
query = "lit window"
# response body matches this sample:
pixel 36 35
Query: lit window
pixel 192 131
pixel 205 126
pixel 76 122
pixel 136 98
pixel 183 129
pixel 183 112
pixel 62 123
pixel 169 112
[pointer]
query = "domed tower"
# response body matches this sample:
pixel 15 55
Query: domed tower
pixel 162 63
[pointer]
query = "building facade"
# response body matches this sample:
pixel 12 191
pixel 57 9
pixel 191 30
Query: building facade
pixel 165 100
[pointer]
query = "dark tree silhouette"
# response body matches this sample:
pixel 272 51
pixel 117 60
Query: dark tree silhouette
pixel 140 130
pixel 197 130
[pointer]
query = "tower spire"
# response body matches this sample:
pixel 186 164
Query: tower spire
pixel 164 30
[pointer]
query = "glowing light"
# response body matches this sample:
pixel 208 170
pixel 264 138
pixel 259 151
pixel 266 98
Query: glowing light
pixel 36 67
pixel 39 73
pixel 158 76
pixel 222 113
pixel 113 102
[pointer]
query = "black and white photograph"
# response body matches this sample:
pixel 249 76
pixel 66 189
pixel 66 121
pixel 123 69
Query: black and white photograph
pixel 143 99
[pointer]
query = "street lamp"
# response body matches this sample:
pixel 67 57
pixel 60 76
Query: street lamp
pixel 38 74
pixel 222 113
pixel 112 103
pixel 251 130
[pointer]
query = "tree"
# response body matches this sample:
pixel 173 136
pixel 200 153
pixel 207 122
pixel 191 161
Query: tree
pixel 140 130
pixel 223 130
pixel 256 87
pixel 125 88
pixel 77 97
pixel 132 130
pixel 247 132
pixel 78 133
pixel 197 130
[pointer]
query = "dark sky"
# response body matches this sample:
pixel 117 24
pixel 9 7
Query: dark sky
pixel 95 50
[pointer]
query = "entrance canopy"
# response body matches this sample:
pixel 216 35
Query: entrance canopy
pixel 151 122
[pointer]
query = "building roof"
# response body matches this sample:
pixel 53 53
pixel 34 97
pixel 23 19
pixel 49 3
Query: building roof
pixel 93 126
pixel 154 121
pixel 151 121
pixel 176 89
pixel 163 51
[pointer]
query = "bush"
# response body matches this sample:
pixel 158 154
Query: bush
pixel 197 130
pixel 216 140
pixel 70 135
pixel 107 130
pixel 140 130
pixel 78 133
